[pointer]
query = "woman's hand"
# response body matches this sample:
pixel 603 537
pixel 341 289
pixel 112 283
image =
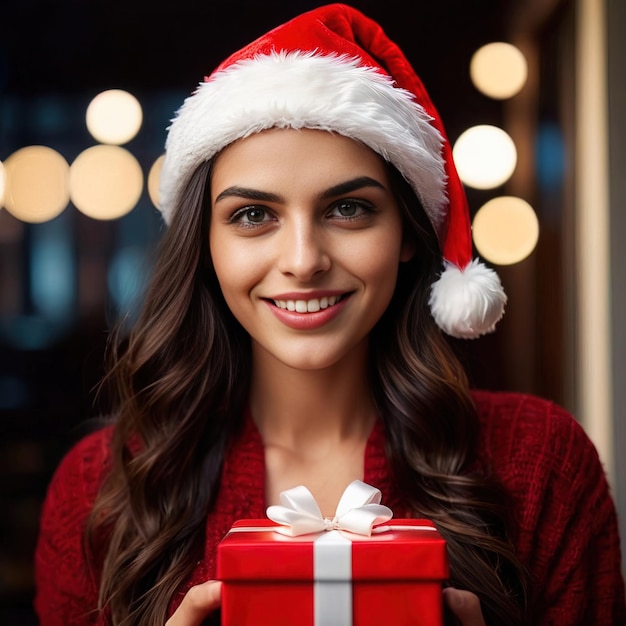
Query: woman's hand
pixel 197 604
pixel 202 600
pixel 465 605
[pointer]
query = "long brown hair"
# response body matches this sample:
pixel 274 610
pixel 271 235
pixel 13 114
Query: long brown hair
pixel 181 379
pixel 423 396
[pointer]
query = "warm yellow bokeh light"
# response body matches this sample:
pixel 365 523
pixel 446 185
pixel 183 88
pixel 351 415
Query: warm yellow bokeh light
pixel 105 182
pixel 36 184
pixel 499 70
pixel 485 156
pixel 2 183
pixel 505 230
pixel 114 117
pixel 153 180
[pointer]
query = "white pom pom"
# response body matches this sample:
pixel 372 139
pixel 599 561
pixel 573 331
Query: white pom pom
pixel 467 303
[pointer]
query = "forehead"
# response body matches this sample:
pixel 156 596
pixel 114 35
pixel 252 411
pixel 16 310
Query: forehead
pixel 296 155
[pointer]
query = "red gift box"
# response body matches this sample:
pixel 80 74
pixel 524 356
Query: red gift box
pixel 332 578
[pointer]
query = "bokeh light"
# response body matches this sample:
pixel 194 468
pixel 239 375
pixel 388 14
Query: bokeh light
pixel 499 70
pixel 2 183
pixel 105 182
pixel 485 156
pixel 126 278
pixel 550 157
pixel 505 230
pixel 114 117
pixel 52 269
pixel 153 180
pixel 36 184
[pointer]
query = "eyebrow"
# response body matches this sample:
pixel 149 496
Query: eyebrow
pixel 351 185
pixel 336 190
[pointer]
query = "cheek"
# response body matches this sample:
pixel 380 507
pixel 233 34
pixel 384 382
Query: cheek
pixel 237 268
pixel 225 264
pixel 382 272
pixel 384 275
pixel 381 257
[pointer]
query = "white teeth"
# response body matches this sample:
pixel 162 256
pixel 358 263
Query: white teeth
pixel 307 306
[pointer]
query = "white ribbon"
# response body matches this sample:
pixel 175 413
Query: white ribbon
pixel 332 585
pixel 358 511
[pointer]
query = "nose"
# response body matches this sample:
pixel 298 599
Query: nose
pixel 304 251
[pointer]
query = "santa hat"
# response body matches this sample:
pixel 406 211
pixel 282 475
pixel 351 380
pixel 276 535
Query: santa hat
pixel 334 69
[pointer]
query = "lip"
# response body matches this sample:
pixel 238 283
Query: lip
pixel 308 295
pixel 307 321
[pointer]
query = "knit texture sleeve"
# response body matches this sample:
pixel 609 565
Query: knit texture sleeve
pixel 567 533
pixel 66 593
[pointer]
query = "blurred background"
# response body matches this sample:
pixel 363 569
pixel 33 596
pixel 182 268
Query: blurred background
pixel 87 89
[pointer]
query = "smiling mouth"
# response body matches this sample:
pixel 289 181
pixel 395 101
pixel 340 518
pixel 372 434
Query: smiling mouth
pixel 309 306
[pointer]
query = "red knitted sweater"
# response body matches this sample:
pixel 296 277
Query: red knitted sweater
pixel 566 530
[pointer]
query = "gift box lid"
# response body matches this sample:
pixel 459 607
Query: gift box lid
pixel 403 549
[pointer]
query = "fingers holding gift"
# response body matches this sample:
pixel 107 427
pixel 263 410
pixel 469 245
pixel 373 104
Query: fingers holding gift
pixel 465 605
pixel 199 602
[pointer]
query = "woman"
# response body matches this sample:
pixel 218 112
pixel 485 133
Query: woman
pixel 318 242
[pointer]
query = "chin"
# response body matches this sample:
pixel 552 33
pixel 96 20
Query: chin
pixel 310 364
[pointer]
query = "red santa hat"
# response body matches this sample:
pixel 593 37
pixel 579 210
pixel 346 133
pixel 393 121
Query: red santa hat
pixel 334 69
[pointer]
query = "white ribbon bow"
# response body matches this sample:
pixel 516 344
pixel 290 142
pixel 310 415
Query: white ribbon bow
pixel 358 511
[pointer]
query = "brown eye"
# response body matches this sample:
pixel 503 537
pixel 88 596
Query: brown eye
pixel 347 209
pixel 254 216
pixel 251 216
pixel 350 209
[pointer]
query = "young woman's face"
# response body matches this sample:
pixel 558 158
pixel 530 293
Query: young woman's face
pixel 306 238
